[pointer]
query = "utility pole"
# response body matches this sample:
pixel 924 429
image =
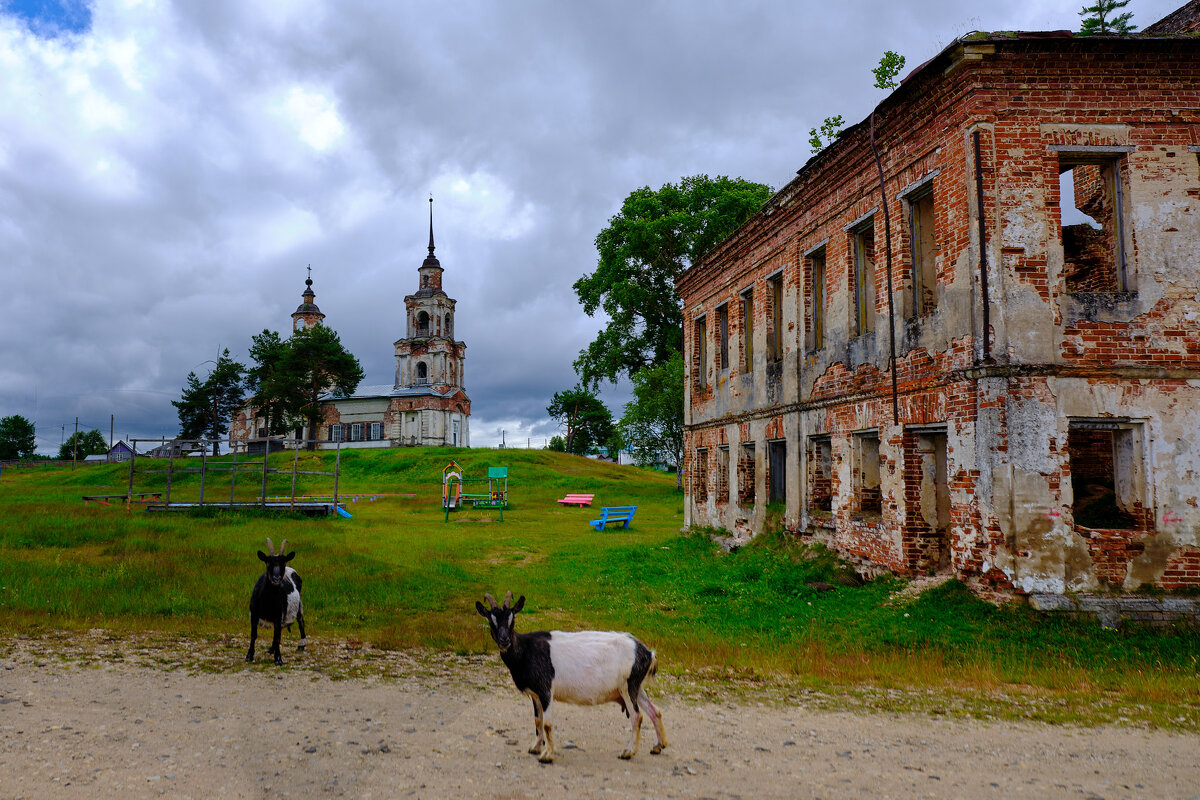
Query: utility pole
pixel 112 418
pixel 75 447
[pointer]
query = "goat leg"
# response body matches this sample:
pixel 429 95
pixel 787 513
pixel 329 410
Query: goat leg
pixel 656 718
pixel 253 635
pixel 275 644
pixel 300 622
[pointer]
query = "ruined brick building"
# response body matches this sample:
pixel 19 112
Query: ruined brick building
pixel 1017 399
pixel 425 406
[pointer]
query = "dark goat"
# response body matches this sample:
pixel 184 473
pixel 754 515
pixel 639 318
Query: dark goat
pixel 276 599
pixel 583 668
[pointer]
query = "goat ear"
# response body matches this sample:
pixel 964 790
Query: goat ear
pixel 520 604
pixel 262 556
pixel 290 556
pixel 483 612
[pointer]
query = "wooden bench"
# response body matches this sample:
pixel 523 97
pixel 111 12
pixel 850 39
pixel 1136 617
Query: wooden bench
pixel 614 514
pixel 142 497
pixel 580 500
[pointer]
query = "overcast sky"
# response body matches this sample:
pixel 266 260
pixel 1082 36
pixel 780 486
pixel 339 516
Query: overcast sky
pixel 168 170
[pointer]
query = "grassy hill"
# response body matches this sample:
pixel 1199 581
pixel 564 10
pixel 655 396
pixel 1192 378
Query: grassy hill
pixel 397 575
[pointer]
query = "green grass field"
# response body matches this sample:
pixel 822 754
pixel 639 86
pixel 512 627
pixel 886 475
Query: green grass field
pixel 397 576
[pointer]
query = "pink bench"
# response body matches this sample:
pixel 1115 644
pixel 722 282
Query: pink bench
pixel 580 500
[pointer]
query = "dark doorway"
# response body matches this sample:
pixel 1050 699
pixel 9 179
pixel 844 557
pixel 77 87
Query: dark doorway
pixel 777 471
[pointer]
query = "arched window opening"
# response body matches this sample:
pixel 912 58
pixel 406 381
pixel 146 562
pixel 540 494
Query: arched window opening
pixel 449 325
pixel 422 372
pixel 423 324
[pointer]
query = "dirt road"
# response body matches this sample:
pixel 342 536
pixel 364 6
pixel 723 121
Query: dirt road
pixel 114 726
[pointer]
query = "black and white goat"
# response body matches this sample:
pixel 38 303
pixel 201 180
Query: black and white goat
pixel 276 599
pixel 583 668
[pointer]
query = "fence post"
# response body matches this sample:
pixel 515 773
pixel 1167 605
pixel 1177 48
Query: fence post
pixel 337 468
pixel 232 477
pixel 266 457
pixel 203 464
pixel 170 466
pixel 129 491
pixel 295 462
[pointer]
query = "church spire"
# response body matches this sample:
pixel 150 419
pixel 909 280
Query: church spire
pixel 431 225
pixel 431 268
pixel 307 314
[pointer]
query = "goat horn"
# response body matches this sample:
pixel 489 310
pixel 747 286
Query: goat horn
pixel 270 547
pixel 490 599
pixel 283 547
pixel 508 598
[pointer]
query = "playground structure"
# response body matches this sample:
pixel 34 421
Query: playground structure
pixel 249 459
pixel 455 497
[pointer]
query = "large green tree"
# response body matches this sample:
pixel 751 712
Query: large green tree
pixel 206 406
pixel 657 234
pixel 81 445
pixel 652 424
pixel 587 421
pixel 291 377
pixel 1096 18
pixel 18 438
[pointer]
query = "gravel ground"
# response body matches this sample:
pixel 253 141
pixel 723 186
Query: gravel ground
pixel 135 723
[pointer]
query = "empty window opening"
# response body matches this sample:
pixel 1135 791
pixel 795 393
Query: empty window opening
pixel 927 532
pixel 1092 226
pixel 746 475
pixel 723 335
pixel 816 330
pixel 924 248
pixel 869 494
pixel 701 353
pixel 748 331
pixel 422 324
pixel 775 335
pixel 1106 475
pixel 820 470
pixel 700 484
pixel 864 278
pixel 422 372
pixel 722 474
pixel 449 325
pixel 777 471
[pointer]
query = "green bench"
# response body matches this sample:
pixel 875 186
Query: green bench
pixel 614 514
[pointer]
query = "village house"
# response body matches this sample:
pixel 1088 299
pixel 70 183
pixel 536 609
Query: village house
pixel 425 406
pixel 995 375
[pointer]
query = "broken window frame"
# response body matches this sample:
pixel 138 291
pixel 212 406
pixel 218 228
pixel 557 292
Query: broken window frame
pixel 816 262
pixel 1131 480
pixel 819 446
pixel 922 236
pixel 1113 163
pixel 747 478
pixel 867 459
pixel 722 469
pixel 700 482
pixel 701 329
pixel 775 335
pixel 862 276
pixel 747 304
pixel 723 335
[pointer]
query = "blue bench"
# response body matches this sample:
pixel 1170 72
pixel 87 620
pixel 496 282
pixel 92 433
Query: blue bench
pixel 614 514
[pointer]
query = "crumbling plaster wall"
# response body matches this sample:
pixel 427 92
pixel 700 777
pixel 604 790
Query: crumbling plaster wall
pixel 1007 419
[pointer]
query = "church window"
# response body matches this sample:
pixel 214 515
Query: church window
pixel 423 324
pixel 422 372
pixel 449 325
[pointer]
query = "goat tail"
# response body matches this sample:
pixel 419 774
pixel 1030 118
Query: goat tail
pixel 653 664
